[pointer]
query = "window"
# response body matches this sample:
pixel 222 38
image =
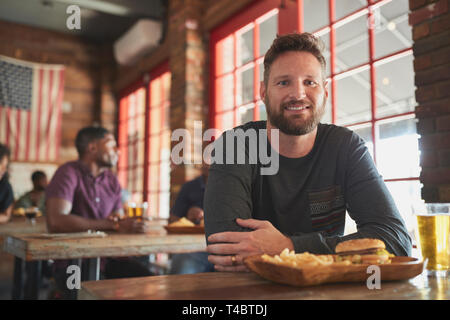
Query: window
pixel 372 85
pixel 144 142
pixel 239 71
pixel 237 51
pixel 368 50
pixel 132 142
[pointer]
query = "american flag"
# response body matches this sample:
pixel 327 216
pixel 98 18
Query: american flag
pixel 30 109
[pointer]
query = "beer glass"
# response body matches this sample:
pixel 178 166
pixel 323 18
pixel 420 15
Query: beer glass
pixel 141 210
pixel 433 234
pixel 137 210
pixel 131 208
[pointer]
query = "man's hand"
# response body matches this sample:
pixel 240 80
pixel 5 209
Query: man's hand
pixel 230 248
pixel 195 214
pixel 132 225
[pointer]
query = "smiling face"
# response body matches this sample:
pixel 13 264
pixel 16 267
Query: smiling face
pixel 295 94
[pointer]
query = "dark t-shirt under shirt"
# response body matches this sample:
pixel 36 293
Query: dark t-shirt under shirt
pixel 308 197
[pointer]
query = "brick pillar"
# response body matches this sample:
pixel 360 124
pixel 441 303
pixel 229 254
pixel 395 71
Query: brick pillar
pixel 187 65
pixel 107 113
pixel 430 20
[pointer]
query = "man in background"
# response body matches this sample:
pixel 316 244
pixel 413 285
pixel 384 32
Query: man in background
pixel 86 195
pixel 35 197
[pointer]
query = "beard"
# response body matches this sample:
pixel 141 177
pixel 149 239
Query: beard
pixel 107 161
pixel 290 126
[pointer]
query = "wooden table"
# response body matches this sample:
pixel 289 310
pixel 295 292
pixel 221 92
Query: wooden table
pixel 33 249
pixel 21 225
pixel 249 286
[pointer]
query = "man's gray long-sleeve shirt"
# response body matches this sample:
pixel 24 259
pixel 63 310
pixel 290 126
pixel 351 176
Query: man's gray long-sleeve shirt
pixel 308 197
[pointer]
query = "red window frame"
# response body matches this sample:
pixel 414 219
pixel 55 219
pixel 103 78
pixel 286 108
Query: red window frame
pixel 163 105
pixel 144 82
pixel 371 64
pixel 289 20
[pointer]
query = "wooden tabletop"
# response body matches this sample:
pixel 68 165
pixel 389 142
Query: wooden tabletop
pixel 33 247
pixel 21 225
pixel 249 286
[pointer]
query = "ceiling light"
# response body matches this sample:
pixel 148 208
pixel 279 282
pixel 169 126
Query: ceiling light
pixel 386 81
pixel 391 26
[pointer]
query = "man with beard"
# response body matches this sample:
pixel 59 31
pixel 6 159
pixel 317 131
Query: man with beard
pixel 86 195
pixel 324 171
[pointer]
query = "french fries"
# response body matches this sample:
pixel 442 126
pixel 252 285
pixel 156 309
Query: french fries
pixel 183 222
pixel 306 259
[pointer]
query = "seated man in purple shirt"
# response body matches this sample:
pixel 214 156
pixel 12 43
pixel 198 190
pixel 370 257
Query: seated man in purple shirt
pixel 85 195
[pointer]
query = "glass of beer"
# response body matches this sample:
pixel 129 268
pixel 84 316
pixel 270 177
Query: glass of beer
pixel 137 210
pixel 141 210
pixel 131 209
pixel 433 233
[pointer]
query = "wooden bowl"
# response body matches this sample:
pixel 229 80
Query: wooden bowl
pixel 401 268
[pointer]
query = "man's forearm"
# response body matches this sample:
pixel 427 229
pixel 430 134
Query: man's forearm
pixel 74 223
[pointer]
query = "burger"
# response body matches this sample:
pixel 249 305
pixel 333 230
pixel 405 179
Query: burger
pixel 363 251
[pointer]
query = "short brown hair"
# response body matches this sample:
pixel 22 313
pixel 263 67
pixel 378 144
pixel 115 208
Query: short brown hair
pixel 294 42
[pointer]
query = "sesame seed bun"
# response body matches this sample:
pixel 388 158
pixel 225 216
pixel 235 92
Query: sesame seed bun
pixel 359 245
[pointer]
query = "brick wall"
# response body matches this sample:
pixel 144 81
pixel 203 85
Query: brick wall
pixel 430 20
pixel 86 67
pixel 187 65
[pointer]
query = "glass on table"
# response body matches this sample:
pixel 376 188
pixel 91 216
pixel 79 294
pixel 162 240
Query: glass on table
pixel 31 214
pixel 433 234
pixel 137 210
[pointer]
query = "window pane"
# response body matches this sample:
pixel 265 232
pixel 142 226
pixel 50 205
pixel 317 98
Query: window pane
pixel 164 205
pixel 327 117
pixel 155 120
pixel 365 132
pixel 155 93
pixel 245 88
pixel 392 31
pixel 165 145
pixel 225 55
pixel 225 121
pixel 155 147
pixel 344 8
pixel 395 87
pixel 153 180
pixel 261 71
pixel 326 52
pixel 245 114
pixel 153 205
pixel 267 33
pixel 315 14
pixel 262 111
pixel 225 93
pixel 246 46
pixel 352 47
pixel 398 149
pixel 353 98
pixel 141 152
pixel 405 193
